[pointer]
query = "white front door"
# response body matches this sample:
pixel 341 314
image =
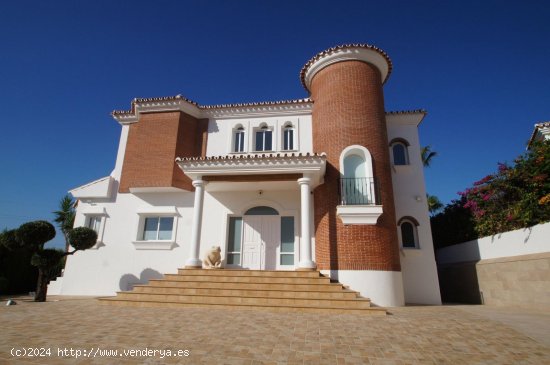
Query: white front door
pixel 261 237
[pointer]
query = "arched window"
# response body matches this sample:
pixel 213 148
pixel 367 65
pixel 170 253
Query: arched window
pixel 288 137
pixel 400 153
pixel 264 139
pixel 408 232
pixel 357 182
pixel 239 140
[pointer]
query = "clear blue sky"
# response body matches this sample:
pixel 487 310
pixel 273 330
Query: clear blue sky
pixel 480 68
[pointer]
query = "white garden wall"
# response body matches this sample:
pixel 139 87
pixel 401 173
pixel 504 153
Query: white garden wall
pixel 523 241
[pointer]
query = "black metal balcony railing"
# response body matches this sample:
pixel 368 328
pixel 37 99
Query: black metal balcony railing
pixel 359 191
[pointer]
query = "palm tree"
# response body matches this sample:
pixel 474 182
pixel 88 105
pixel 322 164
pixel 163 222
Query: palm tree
pixel 427 154
pixel 64 217
pixel 434 204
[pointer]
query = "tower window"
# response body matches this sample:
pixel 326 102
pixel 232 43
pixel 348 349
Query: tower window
pixel 400 154
pixel 399 151
pixel 408 232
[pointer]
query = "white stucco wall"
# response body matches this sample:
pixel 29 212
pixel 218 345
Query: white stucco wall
pixel 117 264
pixel 524 241
pixel 220 139
pixel 383 288
pixel 420 281
pixel 219 206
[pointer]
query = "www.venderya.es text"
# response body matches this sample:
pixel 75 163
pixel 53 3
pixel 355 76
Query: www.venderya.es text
pixel 71 352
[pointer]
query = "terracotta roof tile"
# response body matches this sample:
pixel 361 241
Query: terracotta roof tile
pixel 208 107
pixel 415 111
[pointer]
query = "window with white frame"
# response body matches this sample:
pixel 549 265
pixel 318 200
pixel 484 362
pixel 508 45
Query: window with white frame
pixel 287 241
pixel 264 139
pixel 94 218
pixel 94 222
pixel 238 140
pixel 288 137
pixel 158 229
pixel 408 233
pixel 234 241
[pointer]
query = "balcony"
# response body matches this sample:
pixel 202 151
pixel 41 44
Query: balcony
pixel 359 200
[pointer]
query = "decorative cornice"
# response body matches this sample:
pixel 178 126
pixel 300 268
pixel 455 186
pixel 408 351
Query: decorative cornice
pixel 262 164
pixel 355 51
pixel 415 111
pixel 299 106
pixel 245 158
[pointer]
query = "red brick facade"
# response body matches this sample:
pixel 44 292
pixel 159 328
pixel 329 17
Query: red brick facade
pixel 153 144
pixel 348 110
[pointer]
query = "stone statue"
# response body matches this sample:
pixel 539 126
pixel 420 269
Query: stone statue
pixel 213 259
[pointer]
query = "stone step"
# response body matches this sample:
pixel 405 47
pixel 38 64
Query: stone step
pixel 341 294
pixel 304 291
pixel 274 308
pixel 250 279
pixel 357 303
pixel 332 287
pixel 244 272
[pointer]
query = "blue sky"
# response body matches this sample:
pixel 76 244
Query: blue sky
pixel 480 69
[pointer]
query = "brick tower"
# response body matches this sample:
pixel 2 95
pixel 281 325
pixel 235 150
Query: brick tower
pixel 345 84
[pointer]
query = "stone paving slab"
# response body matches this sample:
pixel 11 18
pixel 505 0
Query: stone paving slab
pixel 410 335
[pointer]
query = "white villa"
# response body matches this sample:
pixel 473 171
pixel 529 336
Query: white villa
pixel 332 182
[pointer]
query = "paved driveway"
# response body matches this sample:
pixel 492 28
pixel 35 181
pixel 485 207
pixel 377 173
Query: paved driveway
pixel 411 335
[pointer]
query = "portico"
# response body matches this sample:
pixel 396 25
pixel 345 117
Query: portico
pixel 259 228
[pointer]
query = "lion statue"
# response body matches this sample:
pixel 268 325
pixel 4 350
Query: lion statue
pixel 213 259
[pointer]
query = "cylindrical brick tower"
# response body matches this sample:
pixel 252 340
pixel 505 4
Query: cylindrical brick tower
pixel 345 84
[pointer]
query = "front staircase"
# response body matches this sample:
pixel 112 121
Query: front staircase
pixel 304 291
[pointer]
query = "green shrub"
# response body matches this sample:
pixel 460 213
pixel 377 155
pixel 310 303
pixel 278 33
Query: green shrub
pixel 82 238
pixel 4 284
pixel 35 233
pixel 513 197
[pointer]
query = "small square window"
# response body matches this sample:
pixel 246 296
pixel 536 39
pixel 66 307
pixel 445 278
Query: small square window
pixel 158 228
pixel 94 222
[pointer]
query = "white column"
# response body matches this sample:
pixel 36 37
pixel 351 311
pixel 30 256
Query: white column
pixel 194 261
pixel 305 215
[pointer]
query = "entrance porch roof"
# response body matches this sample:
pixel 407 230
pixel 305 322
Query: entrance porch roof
pixel 258 167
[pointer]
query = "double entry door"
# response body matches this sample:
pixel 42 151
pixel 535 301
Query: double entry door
pixel 261 237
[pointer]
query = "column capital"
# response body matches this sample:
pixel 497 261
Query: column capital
pixel 304 181
pixel 197 183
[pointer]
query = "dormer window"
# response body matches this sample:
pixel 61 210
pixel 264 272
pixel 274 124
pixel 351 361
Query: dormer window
pixel 288 138
pixel 264 139
pixel 239 140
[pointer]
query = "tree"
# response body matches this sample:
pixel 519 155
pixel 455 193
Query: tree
pixel 64 217
pixel 434 204
pixel 427 154
pixel 35 234
pixel 515 196
pixel 16 272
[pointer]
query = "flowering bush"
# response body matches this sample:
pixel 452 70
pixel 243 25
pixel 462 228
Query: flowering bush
pixel 514 197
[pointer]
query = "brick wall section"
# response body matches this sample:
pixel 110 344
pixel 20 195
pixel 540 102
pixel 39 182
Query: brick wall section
pixel 201 138
pixel 153 144
pixel 348 109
